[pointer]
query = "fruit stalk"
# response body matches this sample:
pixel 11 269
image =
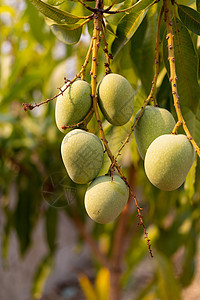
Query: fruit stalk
pixel 79 123
pixel 95 38
pixel 151 94
pixel 173 77
pixel 114 275
pixel 95 49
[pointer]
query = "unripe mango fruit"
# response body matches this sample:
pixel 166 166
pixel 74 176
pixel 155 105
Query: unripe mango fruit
pixel 116 99
pixel 82 153
pixel 105 198
pixel 73 105
pixel 168 161
pixel 154 122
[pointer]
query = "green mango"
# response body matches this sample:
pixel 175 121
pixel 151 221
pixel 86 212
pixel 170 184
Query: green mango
pixel 168 161
pixel 116 99
pixel 154 122
pixel 105 198
pixel 82 153
pixel 73 105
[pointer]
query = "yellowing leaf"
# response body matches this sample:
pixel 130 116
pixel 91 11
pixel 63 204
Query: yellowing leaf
pixel 102 284
pixel 87 287
pixel 41 276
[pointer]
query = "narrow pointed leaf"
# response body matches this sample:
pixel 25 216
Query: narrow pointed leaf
pixel 190 17
pixel 41 275
pixel 143 48
pixel 51 227
pixel 87 287
pixel 198 5
pixel 129 24
pixel 102 284
pixel 36 23
pixel 67 34
pixel 193 122
pixel 186 62
pixel 190 180
pixel 54 13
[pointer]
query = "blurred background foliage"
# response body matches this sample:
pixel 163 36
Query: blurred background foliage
pixel 33 64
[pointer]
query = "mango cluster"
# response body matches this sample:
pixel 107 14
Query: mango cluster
pixel 83 152
pixel 167 157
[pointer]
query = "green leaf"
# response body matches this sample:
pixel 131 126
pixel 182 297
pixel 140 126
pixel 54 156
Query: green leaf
pixel 67 34
pixel 129 24
pixel 54 13
pixel 42 273
pixel 193 122
pixel 110 30
pixel 190 17
pixel 36 23
pixel 6 237
pixel 109 2
pixel 168 287
pixel 51 227
pixel 23 223
pixel 198 5
pixel 143 48
pixel 190 180
pixel 55 2
pixel 186 62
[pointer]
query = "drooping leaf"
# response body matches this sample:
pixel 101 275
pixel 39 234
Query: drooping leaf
pixel 198 5
pixel 28 205
pixel 54 13
pixel 164 94
pixel 110 30
pixel 51 227
pixel 36 23
pixel 6 236
pixel 23 223
pixel 190 180
pixel 143 48
pixel 102 284
pixel 67 34
pixel 190 17
pixel 193 122
pixel 186 62
pixel 41 275
pixel 87 287
pixel 129 24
